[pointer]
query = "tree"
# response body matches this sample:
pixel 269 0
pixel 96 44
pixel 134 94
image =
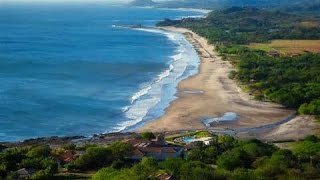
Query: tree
pixel 307 149
pixel 147 135
pixel 226 142
pixel 93 158
pixel 232 159
pixel 42 174
pixel 172 165
pixel 106 173
pixel 120 150
pixel 242 174
pixel 191 170
pixel 312 108
pixel 195 155
pixel 312 138
pixel 211 154
pixel 39 151
pixel 69 146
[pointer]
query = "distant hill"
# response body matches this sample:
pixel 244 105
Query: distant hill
pixel 201 4
pixel 295 5
pixel 143 3
pixel 305 7
pixel 244 25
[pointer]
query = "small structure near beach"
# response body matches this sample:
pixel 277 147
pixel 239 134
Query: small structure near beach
pixel 195 138
pixel 156 148
pixel 66 157
pixel 204 140
pixel 25 173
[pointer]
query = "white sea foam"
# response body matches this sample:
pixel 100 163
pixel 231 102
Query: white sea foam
pixel 165 73
pixel 125 109
pixel 152 99
pixel 140 93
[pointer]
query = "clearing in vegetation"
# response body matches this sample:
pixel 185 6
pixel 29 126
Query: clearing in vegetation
pixel 289 47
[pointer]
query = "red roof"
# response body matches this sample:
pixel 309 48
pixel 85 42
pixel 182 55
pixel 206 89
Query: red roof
pixel 138 152
pixel 139 142
pixel 68 156
pixel 146 147
pixel 158 149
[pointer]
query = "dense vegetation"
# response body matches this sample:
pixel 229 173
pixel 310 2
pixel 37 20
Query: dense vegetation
pixel 246 25
pixel 38 158
pixel 224 158
pixel 96 157
pixel 305 7
pixel 293 6
pixel 228 158
pixel 291 81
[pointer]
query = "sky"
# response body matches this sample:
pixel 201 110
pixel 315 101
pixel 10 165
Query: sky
pixel 111 1
pixel 107 1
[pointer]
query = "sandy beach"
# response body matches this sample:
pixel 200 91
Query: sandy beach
pixel 211 93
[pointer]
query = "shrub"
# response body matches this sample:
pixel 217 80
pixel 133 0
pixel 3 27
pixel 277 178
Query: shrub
pixel 39 151
pixel 147 135
pixel 93 158
pixel 233 159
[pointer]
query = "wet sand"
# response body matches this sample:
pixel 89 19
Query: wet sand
pixel 219 95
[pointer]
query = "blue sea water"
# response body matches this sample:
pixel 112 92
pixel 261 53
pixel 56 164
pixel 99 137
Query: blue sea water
pixel 66 70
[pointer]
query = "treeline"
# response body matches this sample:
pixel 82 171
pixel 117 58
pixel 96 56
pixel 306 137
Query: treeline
pixel 225 158
pixel 238 25
pixel 38 160
pixel 291 81
pixel 43 162
pixel 305 7
pixel 291 6
pixel 228 158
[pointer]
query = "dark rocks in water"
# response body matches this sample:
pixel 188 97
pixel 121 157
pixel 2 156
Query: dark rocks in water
pixel 2 147
pixel 107 138
pixel 54 140
pixel 133 26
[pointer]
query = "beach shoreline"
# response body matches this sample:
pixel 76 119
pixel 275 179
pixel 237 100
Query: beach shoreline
pixel 219 95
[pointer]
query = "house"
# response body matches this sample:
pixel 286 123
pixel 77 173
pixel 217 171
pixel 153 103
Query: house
pixel 156 148
pixel 66 157
pixel 194 145
pixel 25 173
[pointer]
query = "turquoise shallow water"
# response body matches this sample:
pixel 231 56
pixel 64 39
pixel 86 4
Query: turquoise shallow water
pixel 65 70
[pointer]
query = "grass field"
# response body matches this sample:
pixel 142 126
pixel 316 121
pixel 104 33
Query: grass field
pixel 310 24
pixel 289 47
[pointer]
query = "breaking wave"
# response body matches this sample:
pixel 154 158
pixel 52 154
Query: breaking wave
pixel 153 98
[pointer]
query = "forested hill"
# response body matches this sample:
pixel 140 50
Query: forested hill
pixel 290 5
pixel 246 25
pixel 143 3
pixel 305 7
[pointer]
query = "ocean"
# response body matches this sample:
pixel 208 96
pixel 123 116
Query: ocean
pixel 68 69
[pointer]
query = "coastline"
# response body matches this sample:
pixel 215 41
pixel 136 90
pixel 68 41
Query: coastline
pixel 193 95
pixel 140 111
pixel 219 95
pixel 154 97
